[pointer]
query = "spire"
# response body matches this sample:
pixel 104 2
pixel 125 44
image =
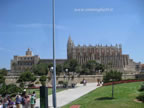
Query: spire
pixel 70 42
pixel 28 52
pixel 69 39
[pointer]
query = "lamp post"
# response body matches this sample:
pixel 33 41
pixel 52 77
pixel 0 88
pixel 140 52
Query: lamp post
pixel 66 70
pixel 112 88
pixel 54 61
pixel 51 70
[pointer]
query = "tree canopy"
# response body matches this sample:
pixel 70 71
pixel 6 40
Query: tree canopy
pixel 11 89
pixel 71 65
pixel 59 69
pixel 40 69
pixel 94 67
pixel 27 77
pixel 112 75
pixel 3 72
pixel 43 80
pixel 2 79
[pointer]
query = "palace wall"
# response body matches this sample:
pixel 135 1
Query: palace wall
pixel 89 78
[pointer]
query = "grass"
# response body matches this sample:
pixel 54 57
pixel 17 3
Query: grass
pixel 124 97
pixel 30 91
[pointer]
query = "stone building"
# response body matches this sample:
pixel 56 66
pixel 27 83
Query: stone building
pixel 142 68
pixel 47 61
pixel 21 63
pixel 111 56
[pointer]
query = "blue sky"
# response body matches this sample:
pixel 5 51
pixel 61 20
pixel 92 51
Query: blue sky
pixel 28 24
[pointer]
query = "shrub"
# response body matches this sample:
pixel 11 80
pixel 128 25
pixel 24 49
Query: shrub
pixel 142 87
pixel 114 75
pixel 22 85
pixel 141 97
pixel 43 80
pixel 10 89
pixel 3 72
pixel 26 76
pixel 40 69
pixel 60 82
pixel 65 84
pixel 2 79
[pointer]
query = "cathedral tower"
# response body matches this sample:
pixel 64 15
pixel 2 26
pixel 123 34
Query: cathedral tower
pixel 70 46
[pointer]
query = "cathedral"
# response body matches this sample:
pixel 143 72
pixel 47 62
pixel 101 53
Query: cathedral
pixel 111 56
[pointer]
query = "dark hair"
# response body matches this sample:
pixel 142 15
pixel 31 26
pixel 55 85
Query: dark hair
pixel 33 92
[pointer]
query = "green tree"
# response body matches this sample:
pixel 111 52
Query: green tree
pixel 2 79
pixel 85 71
pixel 72 65
pixel 50 65
pixel 3 72
pixel 91 65
pixel 66 65
pixel 43 80
pixel 40 69
pixel 79 69
pixel 27 76
pixel 11 89
pixel 112 75
pixel 100 67
pixel 94 67
pixel 59 69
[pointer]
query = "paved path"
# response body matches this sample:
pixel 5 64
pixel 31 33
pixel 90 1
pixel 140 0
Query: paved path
pixel 67 96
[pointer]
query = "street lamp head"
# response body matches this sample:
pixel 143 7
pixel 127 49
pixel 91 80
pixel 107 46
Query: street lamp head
pixel 66 70
pixel 51 68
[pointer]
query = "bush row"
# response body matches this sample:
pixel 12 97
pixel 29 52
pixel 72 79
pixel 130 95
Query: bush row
pixel 120 82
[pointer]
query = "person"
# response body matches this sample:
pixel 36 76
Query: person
pixel 23 101
pixel 32 101
pixel 18 101
pixel 98 80
pixel 8 98
pixel 1 106
pixel 34 96
pixel 5 103
pixel 84 82
pixel 10 104
pixel 27 102
pixel 1 100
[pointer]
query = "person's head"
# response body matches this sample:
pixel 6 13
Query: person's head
pixel 33 92
pixel 27 96
pixel 0 96
pixel 18 96
pixel 8 97
pixel 10 100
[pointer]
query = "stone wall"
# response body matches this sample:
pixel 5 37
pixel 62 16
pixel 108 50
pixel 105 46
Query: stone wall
pixel 89 78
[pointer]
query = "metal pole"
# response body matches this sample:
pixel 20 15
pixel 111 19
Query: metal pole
pixel 112 89
pixel 54 61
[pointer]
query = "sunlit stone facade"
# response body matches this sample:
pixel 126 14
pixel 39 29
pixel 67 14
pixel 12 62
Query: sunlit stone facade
pixel 22 63
pixel 111 56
